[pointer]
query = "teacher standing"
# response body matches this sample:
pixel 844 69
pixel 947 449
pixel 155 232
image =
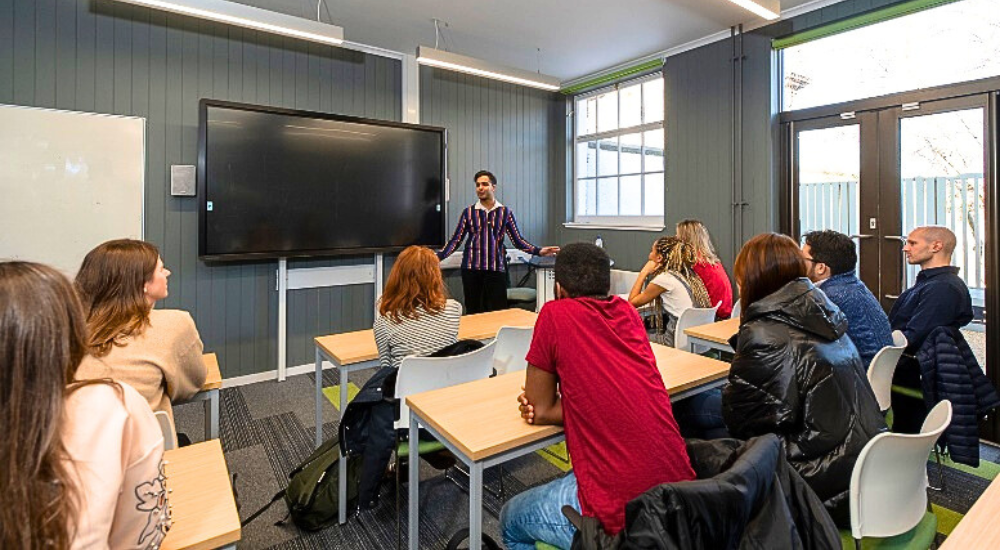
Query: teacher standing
pixel 484 265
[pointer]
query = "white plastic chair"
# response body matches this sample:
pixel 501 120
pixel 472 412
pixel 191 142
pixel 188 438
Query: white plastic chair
pixel 167 428
pixel 881 369
pixel 420 374
pixel 693 317
pixel 889 481
pixel 899 339
pixel 737 309
pixel 511 347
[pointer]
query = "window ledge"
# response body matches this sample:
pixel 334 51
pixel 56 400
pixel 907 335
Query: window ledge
pixel 615 227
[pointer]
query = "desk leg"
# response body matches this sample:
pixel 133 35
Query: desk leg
pixel 319 399
pixel 414 491
pixel 212 415
pixel 476 506
pixel 342 465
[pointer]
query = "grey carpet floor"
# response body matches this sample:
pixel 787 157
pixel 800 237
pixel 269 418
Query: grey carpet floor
pixel 267 429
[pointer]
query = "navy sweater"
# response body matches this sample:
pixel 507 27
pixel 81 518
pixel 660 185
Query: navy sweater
pixel 867 325
pixel 939 298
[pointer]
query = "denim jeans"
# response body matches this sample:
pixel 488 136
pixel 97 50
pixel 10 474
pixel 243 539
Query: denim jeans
pixel 700 416
pixel 536 515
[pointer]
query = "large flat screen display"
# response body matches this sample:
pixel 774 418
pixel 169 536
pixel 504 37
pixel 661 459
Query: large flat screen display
pixel 282 183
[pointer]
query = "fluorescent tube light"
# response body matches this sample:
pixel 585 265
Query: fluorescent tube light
pixel 463 64
pixel 251 18
pixel 768 9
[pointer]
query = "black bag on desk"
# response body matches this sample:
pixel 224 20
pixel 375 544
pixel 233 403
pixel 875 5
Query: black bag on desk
pixel 312 496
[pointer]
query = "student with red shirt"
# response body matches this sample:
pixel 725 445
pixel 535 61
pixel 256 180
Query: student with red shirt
pixel 708 266
pixel 591 368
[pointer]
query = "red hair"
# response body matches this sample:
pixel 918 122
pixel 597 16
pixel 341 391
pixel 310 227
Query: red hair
pixel 766 263
pixel 414 282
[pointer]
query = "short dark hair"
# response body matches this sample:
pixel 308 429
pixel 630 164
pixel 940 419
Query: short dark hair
pixel 833 249
pixel 487 173
pixel 583 269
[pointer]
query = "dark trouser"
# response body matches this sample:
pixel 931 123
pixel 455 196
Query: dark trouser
pixel 908 413
pixel 484 290
pixel 700 416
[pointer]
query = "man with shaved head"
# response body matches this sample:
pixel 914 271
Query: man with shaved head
pixel 939 298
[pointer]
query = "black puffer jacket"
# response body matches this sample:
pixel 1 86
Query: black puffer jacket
pixel 798 375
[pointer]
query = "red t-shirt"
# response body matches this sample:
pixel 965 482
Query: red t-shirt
pixel 718 287
pixel 620 428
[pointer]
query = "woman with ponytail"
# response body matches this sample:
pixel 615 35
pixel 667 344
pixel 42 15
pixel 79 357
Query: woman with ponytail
pixel 80 462
pixel 669 282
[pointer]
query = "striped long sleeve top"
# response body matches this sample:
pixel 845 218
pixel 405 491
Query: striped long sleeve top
pixel 486 229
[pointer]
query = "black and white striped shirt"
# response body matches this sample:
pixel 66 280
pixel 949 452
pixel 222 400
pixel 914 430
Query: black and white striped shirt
pixel 426 334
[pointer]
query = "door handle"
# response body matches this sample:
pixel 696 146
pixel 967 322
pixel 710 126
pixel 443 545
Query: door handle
pixel 901 238
pixel 892 296
pixel 862 236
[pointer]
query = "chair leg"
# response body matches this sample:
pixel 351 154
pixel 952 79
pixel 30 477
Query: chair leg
pixel 399 531
pixel 857 544
pixel 940 471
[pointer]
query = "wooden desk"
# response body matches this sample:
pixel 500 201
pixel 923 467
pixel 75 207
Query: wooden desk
pixel 978 529
pixel 713 335
pixel 210 395
pixel 353 351
pixel 201 498
pixel 480 424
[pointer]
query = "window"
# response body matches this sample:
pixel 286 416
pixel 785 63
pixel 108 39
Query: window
pixel 618 147
pixel 952 43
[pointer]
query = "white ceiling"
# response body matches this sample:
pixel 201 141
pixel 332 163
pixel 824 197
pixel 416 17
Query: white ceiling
pixel 576 37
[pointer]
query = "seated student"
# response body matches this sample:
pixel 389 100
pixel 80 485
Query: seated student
pixel 708 266
pixel 591 368
pixel 82 461
pixel 415 315
pixel 831 259
pixel 156 351
pixel 938 298
pixel 796 373
pixel 673 285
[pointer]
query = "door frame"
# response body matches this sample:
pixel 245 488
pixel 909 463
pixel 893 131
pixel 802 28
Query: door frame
pixel 941 98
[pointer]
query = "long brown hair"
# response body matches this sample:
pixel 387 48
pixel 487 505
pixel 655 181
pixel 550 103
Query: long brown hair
pixel 414 282
pixel 110 283
pixel 696 234
pixel 766 263
pixel 42 341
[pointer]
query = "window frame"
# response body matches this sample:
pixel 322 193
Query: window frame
pixel 618 221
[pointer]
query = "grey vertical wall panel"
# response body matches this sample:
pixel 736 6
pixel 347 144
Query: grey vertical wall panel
pixel 503 128
pixel 108 57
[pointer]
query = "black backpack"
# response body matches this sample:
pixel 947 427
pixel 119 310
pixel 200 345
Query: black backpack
pixel 311 495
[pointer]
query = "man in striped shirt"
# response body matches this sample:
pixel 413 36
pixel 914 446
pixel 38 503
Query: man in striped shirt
pixel 484 265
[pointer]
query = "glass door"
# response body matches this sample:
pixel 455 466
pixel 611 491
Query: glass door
pixel 934 173
pixel 835 183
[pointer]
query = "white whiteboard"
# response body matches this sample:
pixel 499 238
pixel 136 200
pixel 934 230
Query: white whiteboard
pixel 68 182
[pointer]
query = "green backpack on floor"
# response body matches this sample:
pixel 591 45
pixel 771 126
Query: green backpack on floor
pixel 311 495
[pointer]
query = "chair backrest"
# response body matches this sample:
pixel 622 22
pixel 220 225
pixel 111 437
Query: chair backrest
pixel 737 309
pixel 880 372
pixel 167 428
pixel 622 281
pixel 511 348
pixel 420 374
pixel 889 482
pixel 899 339
pixel 693 317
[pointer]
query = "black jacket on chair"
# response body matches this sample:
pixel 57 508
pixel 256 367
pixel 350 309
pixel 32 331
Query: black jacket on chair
pixel 746 496
pixel 796 374
pixel 949 370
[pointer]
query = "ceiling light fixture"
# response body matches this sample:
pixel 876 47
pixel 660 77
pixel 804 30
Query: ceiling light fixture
pixel 768 9
pixel 251 18
pixel 464 64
